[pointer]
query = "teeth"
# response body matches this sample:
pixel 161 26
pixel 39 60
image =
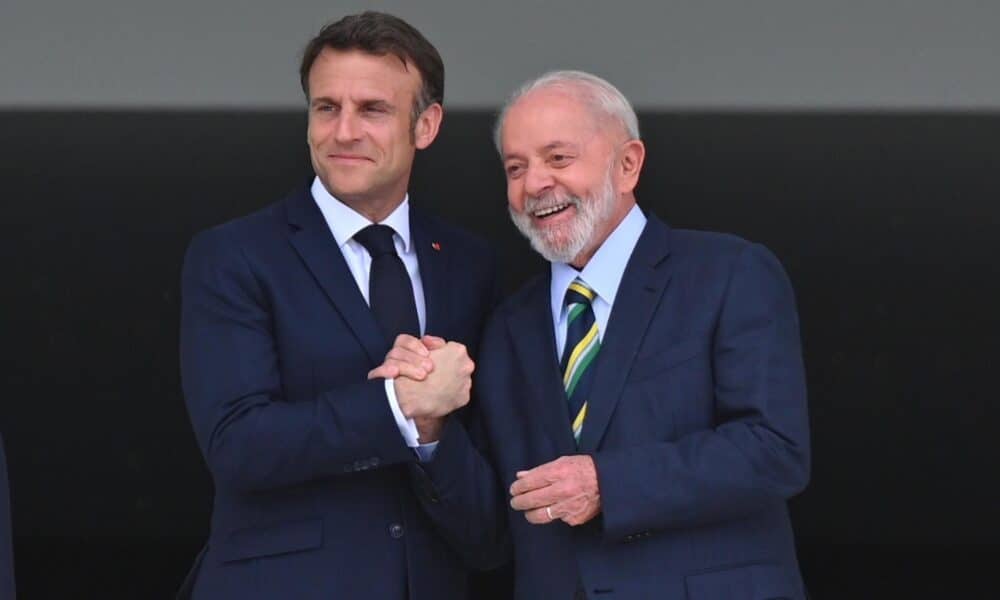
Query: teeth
pixel 548 211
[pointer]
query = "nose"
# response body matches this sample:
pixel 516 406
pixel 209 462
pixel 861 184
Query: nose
pixel 347 129
pixel 537 181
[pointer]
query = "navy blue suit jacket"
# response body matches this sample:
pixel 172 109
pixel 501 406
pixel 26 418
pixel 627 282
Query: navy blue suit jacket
pixel 316 493
pixel 6 550
pixel 697 425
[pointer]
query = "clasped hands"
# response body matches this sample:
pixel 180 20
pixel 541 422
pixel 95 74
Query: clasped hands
pixel 433 378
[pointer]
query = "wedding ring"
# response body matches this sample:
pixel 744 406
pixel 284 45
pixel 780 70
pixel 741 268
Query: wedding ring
pixel 548 511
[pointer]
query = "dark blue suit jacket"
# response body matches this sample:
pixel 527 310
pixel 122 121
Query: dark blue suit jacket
pixel 697 424
pixel 316 493
pixel 6 550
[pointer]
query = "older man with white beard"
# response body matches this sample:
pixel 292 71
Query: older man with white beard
pixel 643 401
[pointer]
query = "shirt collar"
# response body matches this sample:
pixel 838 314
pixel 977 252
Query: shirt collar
pixel 344 221
pixel 603 273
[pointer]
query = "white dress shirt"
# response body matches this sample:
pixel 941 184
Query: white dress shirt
pixel 603 273
pixel 344 222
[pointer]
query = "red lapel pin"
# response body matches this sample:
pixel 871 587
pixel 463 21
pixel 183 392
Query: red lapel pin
pixel 436 246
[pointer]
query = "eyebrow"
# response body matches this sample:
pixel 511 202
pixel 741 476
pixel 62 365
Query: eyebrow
pixel 363 102
pixel 557 144
pixel 546 148
pixel 377 102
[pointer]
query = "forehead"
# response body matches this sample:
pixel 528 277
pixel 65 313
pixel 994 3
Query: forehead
pixel 338 72
pixel 545 117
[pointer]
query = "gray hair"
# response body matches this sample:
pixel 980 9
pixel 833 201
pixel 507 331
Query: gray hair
pixel 600 96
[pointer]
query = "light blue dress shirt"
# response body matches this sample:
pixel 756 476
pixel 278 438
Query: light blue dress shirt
pixel 344 222
pixel 603 273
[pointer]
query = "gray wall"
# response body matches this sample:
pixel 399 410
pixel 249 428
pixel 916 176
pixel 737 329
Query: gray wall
pixel 680 54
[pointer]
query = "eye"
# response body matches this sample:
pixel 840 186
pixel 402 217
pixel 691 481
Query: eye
pixel 375 109
pixel 513 170
pixel 560 159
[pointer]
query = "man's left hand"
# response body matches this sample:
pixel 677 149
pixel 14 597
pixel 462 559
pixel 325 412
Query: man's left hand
pixel 565 489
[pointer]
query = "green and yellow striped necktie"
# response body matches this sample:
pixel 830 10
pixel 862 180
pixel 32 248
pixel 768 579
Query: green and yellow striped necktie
pixel 580 352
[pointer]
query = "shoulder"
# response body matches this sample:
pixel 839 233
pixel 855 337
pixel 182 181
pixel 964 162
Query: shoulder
pixel 233 241
pixel 726 263
pixel 715 248
pixel 258 230
pixel 241 230
pixel 707 245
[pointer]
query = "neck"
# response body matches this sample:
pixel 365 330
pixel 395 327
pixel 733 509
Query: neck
pixel 375 210
pixel 376 213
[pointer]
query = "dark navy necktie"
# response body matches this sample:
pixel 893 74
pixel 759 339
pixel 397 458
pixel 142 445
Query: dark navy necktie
pixel 390 292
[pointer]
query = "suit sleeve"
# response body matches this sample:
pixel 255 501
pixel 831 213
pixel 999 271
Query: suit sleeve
pixel 459 491
pixel 758 452
pixel 253 440
pixel 458 488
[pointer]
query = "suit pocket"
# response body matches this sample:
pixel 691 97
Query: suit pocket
pixel 747 582
pixel 269 540
pixel 657 361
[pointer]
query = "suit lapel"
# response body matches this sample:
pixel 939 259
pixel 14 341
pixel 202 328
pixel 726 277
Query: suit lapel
pixel 535 346
pixel 646 276
pixel 434 260
pixel 311 238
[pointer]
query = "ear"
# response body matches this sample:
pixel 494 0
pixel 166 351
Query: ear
pixel 632 155
pixel 427 126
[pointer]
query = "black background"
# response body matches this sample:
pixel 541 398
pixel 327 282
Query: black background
pixel 886 223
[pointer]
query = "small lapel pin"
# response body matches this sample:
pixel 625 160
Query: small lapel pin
pixel 436 246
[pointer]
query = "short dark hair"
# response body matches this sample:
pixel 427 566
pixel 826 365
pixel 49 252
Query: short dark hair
pixel 380 34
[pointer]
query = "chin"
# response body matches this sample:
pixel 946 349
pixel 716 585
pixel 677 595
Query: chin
pixel 557 239
pixel 348 189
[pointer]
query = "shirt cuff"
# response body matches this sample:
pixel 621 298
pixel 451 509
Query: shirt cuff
pixel 407 427
pixel 425 452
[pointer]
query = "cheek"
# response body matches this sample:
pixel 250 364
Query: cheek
pixel 314 134
pixel 515 196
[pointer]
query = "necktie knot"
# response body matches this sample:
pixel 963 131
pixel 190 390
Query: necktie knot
pixel 377 240
pixel 579 293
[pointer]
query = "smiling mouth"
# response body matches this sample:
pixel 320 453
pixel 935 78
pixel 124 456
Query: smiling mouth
pixel 552 210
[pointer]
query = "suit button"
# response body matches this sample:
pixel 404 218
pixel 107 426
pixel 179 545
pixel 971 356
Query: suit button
pixel 396 531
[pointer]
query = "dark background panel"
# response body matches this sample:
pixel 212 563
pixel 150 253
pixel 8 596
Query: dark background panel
pixel 886 224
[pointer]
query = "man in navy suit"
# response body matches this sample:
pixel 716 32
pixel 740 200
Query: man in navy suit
pixel 319 491
pixel 643 401
pixel 6 552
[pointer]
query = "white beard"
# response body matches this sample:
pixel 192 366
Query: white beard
pixel 566 242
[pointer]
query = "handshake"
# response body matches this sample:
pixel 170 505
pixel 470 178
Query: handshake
pixel 432 378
